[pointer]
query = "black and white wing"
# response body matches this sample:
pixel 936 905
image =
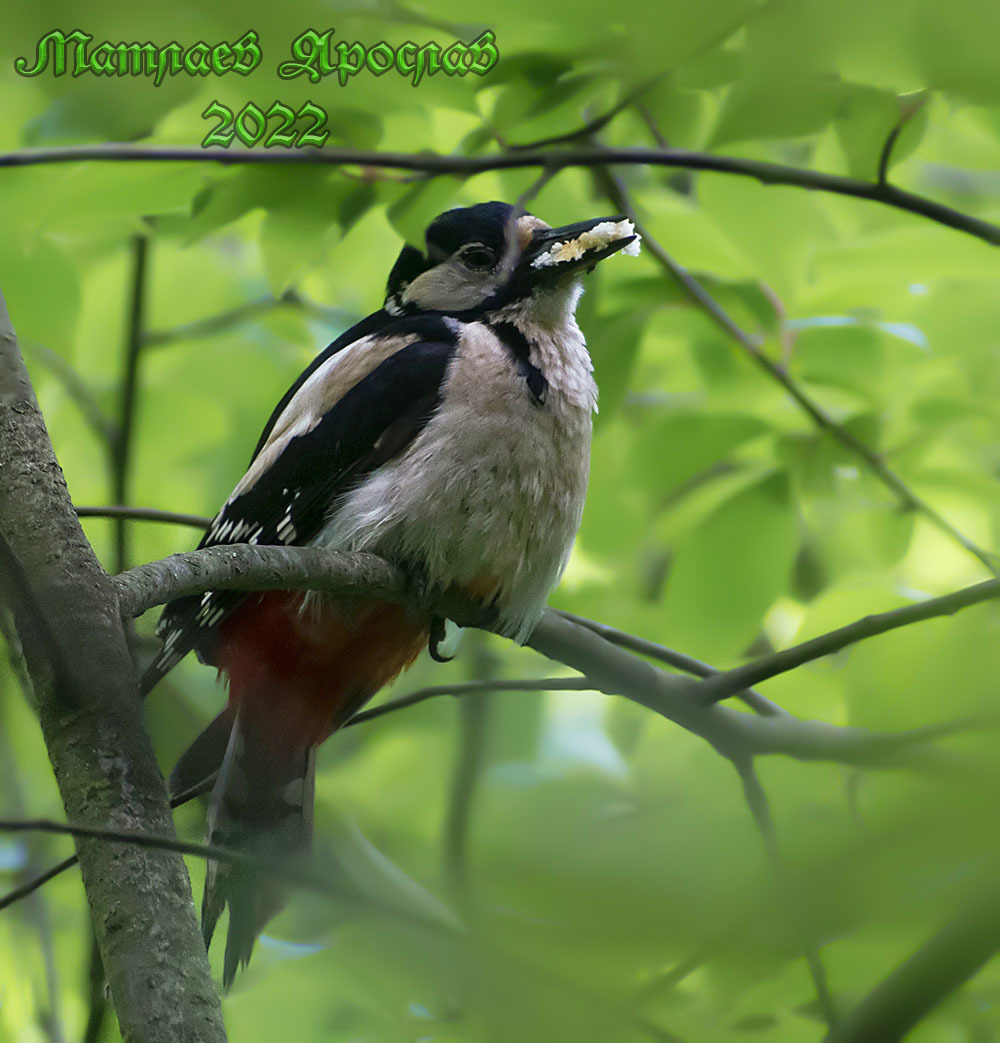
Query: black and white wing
pixel 351 411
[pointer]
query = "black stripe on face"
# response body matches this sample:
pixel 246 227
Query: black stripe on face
pixel 517 344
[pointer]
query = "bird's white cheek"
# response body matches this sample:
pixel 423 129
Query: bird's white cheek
pixel 449 288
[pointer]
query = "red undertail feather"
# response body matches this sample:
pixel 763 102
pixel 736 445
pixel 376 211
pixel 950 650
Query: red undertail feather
pixel 295 675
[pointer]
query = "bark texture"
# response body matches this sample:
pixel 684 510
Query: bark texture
pixel 66 611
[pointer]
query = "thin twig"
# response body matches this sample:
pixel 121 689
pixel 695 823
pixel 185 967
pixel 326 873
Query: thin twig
pixel 196 521
pixel 32 885
pixel 103 426
pixel 121 455
pixel 906 497
pixel 592 126
pixel 911 106
pixel 685 663
pixel 433 163
pixel 464 688
pixel 129 836
pixel 224 321
pixel 214 324
pixel 512 243
pixel 52 872
pixel 654 130
pixel 727 683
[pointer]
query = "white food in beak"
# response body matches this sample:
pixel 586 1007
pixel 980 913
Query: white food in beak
pixel 595 238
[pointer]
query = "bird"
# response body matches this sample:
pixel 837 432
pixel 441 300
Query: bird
pixel 448 432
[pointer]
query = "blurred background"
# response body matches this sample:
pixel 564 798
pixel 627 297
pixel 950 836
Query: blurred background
pixel 560 865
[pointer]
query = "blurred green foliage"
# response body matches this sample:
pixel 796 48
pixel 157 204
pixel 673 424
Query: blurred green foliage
pixel 606 848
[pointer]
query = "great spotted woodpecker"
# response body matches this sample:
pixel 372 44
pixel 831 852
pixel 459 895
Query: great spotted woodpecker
pixel 449 432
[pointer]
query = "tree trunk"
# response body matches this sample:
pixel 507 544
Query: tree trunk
pixel 85 693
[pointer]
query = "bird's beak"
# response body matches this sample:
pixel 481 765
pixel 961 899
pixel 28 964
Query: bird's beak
pixel 556 251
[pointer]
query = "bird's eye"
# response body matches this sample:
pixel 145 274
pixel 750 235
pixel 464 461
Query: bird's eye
pixel 478 258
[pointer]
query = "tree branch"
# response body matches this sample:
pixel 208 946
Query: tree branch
pixel 121 448
pixel 90 409
pixel 910 107
pixel 726 684
pixel 608 669
pixel 32 885
pixel 196 521
pixel 67 863
pixel 541 684
pixel 592 126
pixel 939 967
pixel 131 836
pixel 240 566
pixel 685 663
pixel 907 499
pixel 220 323
pixel 104 764
pixel 432 163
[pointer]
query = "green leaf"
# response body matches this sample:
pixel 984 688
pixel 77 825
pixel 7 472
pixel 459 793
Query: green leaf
pixel 42 289
pixel 729 571
pixel 614 342
pixel 418 206
pixel 98 109
pixel 685 444
pixel 292 239
pixel 841 356
pixel 779 107
pixel 865 123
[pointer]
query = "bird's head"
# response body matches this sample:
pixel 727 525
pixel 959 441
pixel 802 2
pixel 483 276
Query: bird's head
pixel 486 258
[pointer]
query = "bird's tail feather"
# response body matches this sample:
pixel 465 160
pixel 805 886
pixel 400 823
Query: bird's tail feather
pixel 264 808
pixel 201 760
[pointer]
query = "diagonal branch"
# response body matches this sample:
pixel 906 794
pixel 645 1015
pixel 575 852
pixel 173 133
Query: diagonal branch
pixel 728 683
pixel 73 384
pixel 540 684
pixel 944 963
pixel 906 497
pixel 220 323
pixel 435 163
pixel 685 663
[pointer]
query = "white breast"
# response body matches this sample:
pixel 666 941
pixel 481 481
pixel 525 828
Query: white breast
pixel 493 487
